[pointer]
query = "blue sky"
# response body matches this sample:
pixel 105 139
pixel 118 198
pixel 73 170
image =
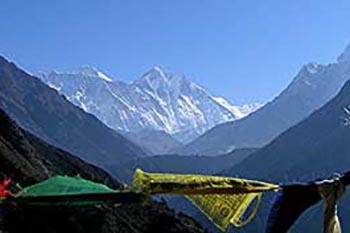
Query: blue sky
pixel 243 50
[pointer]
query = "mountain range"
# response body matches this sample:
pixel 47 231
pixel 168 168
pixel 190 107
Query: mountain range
pixel 302 135
pixel 158 101
pixel 313 86
pixel 315 148
pixel 42 111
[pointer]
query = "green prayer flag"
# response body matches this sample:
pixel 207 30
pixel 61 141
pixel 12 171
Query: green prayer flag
pixel 65 190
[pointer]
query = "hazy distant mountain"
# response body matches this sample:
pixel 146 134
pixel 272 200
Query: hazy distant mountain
pixel 28 160
pixel 182 164
pixel 155 141
pixel 313 86
pixel 42 111
pixel 157 101
pixel 315 148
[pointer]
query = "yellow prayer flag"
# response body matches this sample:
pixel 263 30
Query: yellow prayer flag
pixel 223 199
pixel 223 209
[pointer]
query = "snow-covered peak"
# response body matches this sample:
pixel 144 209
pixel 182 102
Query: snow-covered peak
pixel 239 111
pixel 92 71
pixel 345 56
pixel 87 70
pixel 157 69
pixel 247 109
pixel 153 79
pixel 156 73
pixel 84 71
pixel 224 103
pixel 157 79
pixel 159 100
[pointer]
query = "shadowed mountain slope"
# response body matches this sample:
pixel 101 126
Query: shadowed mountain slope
pixel 28 160
pixel 314 148
pixel 42 111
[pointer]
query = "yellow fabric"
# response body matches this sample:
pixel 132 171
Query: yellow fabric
pixel 223 209
pixel 223 199
pixel 331 192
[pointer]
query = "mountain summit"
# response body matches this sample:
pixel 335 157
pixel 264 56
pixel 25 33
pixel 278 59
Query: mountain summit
pixel 313 86
pixel 159 100
pixel 92 71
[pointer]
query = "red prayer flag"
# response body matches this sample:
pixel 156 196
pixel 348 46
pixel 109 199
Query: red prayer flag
pixel 3 191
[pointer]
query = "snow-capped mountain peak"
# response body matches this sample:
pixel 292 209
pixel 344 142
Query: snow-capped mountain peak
pixel 86 71
pixel 157 69
pixel 239 111
pixel 153 75
pixel 92 71
pixel 159 100
pixel 154 79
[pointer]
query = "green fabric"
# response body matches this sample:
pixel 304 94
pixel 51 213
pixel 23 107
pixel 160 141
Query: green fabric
pixel 68 191
pixel 61 190
pixel 62 186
